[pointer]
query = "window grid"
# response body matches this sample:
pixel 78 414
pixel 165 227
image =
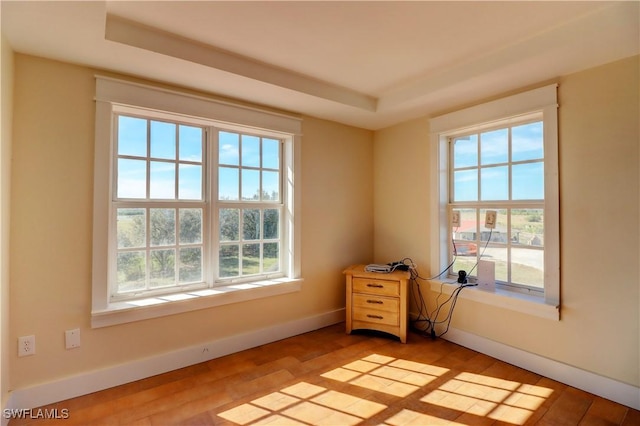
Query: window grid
pixel 176 248
pixel 151 267
pixel 471 242
pixel 243 255
pixel 180 163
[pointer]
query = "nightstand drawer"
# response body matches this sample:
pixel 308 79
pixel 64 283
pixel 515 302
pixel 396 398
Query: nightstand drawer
pixel 375 286
pixel 378 303
pixel 376 317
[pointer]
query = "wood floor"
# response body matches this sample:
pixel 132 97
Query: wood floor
pixel 329 378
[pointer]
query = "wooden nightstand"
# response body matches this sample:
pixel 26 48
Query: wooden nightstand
pixel 377 301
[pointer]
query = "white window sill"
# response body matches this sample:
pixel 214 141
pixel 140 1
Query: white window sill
pixel 176 303
pixel 519 302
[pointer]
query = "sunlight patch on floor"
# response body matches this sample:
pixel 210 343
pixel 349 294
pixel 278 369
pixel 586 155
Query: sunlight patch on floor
pixel 485 396
pixel 304 403
pixel 385 374
pixel 413 418
pixel 467 393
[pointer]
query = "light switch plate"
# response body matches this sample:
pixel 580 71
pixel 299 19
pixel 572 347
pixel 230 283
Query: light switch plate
pixel 72 338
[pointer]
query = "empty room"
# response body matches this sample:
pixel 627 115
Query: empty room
pixel 300 212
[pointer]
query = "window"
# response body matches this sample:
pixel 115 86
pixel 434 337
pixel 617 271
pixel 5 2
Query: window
pixel 249 205
pixel 159 206
pixel 500 157
pixel 193 198
pixel 502 170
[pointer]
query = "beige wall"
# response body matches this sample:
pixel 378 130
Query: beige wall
pixel 51 209
pixel 6 100
pixel 401 214
pixel 599 175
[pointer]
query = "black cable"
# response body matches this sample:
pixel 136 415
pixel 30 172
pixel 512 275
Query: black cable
pixel 423 312
pixel 483 250
pixel 453 298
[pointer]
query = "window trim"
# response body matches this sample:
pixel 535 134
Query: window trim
pixel 125 96
pixel 501 111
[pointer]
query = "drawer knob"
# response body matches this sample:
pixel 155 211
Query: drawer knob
pixel 375 285
pixel 377 302
pixel 375 316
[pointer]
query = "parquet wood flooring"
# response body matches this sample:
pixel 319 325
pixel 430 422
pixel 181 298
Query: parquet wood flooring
pixel 326 377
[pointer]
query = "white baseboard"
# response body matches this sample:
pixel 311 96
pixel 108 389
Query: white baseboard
pixel 93 381
pixel 604 387
pixel 85 383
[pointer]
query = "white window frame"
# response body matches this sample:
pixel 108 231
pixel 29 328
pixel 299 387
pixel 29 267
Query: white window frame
pixel 496 113
pixel 119 96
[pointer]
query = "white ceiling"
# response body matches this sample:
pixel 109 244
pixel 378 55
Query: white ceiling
pixel 368 64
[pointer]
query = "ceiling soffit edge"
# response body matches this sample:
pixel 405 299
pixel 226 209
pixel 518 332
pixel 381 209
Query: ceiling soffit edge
pixel 133 34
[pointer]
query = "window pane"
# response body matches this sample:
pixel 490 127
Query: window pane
pixel 132 136
pixel 190 265
pixel 528 181
pixel 468 225
pixel 271 223
pixel 271 257
pixel 190 226
pixel 250 151
pixel 251 224
pixel 464 263
pixel 229 148
pixel 465 236
pixel 250 184
pixel 494 183
pixel 163 268
pixel 163 227
pixel 465 151
pixel 271 153
pixel 229 258
pixel 498 255
pixel 229 224
pixel 270 185
pixel 250 259
pixel 163 180
pixel 163 140
pixel 527 267
pixel 494 147
pixel 527 227
pixel 499 232
pixel 465 185
pixel 131 270
pixel 131 225
pixel 190 143
pixel 228 183
pixel 132 178
pixel 190 182
pixel 527 142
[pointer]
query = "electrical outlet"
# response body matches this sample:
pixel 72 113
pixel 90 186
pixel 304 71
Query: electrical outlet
pixel 490 219
pixel 455 218
pixel 26 345
pixel 72 338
